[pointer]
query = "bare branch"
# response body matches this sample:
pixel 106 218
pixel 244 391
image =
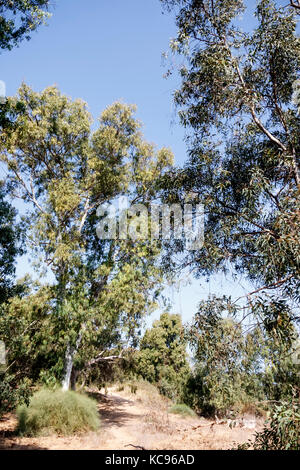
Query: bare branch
pixel 295 4
pixel 270 286
pixel 100 358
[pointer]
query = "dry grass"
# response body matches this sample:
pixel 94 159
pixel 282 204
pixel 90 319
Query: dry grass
pixel 157 418
pixel 253 409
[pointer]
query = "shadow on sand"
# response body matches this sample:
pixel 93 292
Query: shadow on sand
pixel 111 409
pixel 9 438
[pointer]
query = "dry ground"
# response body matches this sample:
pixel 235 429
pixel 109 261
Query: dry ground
pixel 134 421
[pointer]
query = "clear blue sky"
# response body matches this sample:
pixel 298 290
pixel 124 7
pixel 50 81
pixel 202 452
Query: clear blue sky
pixel 103 51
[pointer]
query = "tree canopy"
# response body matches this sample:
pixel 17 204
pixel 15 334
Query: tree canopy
pixel 64 171
pixel 238 102
pixel 19 18
pixel 162 358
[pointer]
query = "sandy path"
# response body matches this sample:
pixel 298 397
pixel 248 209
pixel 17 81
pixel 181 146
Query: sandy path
pixel 121 422
pixel 128 423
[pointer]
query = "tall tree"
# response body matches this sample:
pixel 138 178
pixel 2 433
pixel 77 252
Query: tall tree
pixel 64 171
pixel 162 358
pixel 236 101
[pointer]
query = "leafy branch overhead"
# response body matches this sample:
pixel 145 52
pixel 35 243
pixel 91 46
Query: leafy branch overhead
pixel 238 102
pixel 19 18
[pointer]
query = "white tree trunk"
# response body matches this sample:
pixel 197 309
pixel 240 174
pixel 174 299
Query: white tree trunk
pixel 68 368
pixel 70 353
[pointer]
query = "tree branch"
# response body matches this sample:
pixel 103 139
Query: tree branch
pixel 295 4
pixel 100 358
pixel 271 286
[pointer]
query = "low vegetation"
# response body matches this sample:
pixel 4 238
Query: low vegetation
pixel 281 431
pixel 144 392
pixel 58 412
pixel 182 409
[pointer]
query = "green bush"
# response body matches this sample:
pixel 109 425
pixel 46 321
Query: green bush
pixel 281 431
pixel 168 388
pixel 12 392
pixel 182 409
pixel 58 412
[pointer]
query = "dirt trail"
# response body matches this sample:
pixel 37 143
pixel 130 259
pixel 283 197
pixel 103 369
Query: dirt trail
pixel 128 423
pixel 121 421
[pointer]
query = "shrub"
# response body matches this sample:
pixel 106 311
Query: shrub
pixel 168 388
pixel 281 432
pixel 283 429
pixel 146 393
pixel 12 393
pixel 58 412
pixel 182 409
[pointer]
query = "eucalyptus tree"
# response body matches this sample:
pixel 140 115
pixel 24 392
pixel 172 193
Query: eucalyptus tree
pixel 227 362
pixel 19 18
pixel 235 363
pixel 238 77
pixel 64 171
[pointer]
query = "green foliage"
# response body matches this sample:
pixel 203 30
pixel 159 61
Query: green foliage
pixel 13 391
pixel 19 18
pixel 11 240
pixel 182 409
pixel 162 358
pixel 234 366
pixel 170 385
pixel 27 331
pixel 111 372
pixel 64 170
pixel 12 388
pixel 236 101
pixel 58 412
pixel 239 101
pixel 282 430
pixel 227 362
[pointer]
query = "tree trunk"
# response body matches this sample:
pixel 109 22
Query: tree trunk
pixel 68 368
pixel 69 378
pixel 74 375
